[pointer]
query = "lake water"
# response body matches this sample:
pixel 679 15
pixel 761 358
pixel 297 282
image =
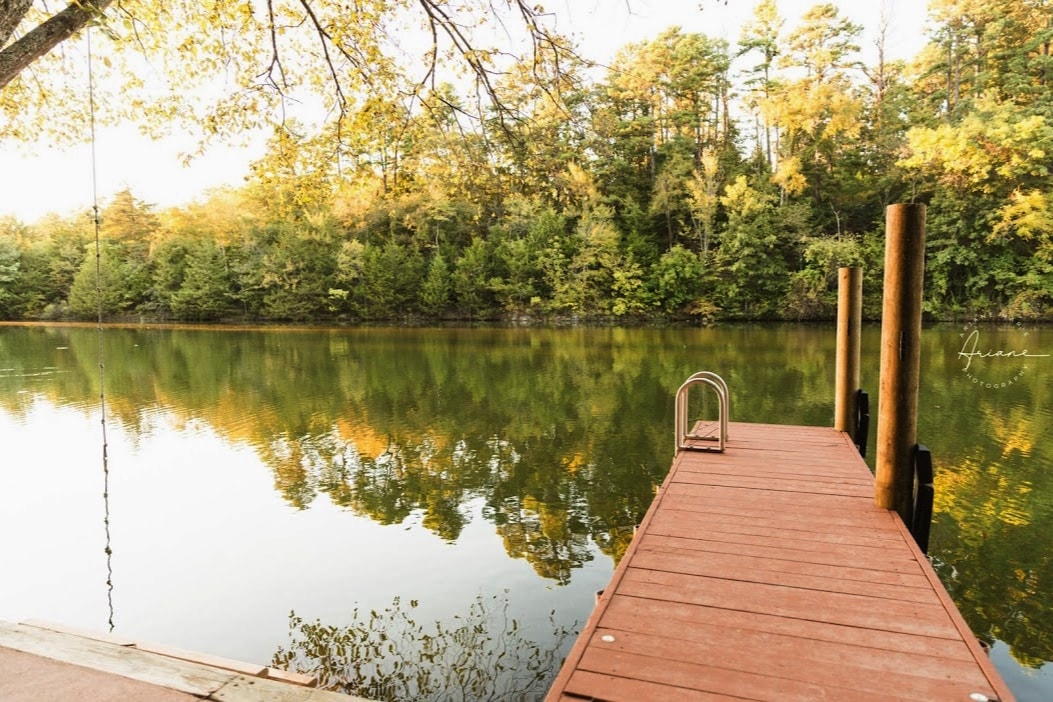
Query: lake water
pixel 453 496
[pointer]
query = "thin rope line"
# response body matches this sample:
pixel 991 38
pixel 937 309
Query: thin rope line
pixel 102 347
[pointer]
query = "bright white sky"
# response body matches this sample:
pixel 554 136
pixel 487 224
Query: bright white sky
pixel 40 179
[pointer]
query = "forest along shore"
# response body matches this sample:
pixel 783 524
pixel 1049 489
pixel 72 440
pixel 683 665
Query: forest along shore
pixel 627 194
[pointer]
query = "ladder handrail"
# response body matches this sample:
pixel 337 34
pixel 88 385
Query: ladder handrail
pixel 718 385
pixel 723 386
pixel 725 410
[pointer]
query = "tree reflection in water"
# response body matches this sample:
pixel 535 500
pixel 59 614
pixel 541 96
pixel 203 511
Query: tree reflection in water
pixel 390 656
pixel 562 434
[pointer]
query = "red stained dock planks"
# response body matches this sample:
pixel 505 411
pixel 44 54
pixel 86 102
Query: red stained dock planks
pixel 768 573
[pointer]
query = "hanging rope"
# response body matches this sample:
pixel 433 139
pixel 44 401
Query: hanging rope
pixel 102 354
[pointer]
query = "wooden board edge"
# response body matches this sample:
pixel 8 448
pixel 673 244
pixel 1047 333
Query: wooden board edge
pixel 570 664
pixel 291 677
pixel 994 678
pixel 251 689
pixel 164 669
pixel 122 661
pixel 74 631
pixel 205 659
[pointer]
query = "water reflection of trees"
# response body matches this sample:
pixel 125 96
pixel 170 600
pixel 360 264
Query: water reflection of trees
pixel 994 497
pixel 388 423
pixel 479 655
pixel 562 434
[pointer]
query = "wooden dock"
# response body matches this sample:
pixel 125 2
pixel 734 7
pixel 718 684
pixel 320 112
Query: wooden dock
pixel 42 662
pixel 768 573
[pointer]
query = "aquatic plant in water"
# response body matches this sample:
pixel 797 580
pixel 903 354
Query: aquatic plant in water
pixel 390 656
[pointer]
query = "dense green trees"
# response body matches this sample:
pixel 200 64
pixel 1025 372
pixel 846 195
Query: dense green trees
pixel 982 154
pixel 10 265
pixel 691 180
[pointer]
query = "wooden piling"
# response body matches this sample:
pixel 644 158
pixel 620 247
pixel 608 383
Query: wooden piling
pixel 900 358
pixel 849 328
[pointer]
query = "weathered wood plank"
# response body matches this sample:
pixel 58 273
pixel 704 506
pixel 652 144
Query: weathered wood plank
pixel 291 677
pixel 113 667
pixel 251 689
pixel 115 639
pixel 25 677
pixel 181 654
pixel 118 660
pixel 203 658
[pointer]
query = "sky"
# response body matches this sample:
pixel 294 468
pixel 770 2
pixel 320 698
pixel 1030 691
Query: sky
pixel 36 179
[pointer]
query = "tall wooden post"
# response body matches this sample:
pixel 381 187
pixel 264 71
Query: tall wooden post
pixel 900 358
pixel 849 328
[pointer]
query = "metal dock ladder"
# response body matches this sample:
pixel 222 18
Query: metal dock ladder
pixel 687 439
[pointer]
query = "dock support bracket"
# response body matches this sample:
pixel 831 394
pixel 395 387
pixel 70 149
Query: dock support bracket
pixel 924 493
pixel 862 432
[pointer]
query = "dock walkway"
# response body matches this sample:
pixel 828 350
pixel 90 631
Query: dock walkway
pixel 768 573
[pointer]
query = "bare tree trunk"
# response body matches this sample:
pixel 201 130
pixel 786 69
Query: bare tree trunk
pixel 767 125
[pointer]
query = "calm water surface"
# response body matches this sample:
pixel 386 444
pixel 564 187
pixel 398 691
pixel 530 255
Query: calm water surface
pixel 453 495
